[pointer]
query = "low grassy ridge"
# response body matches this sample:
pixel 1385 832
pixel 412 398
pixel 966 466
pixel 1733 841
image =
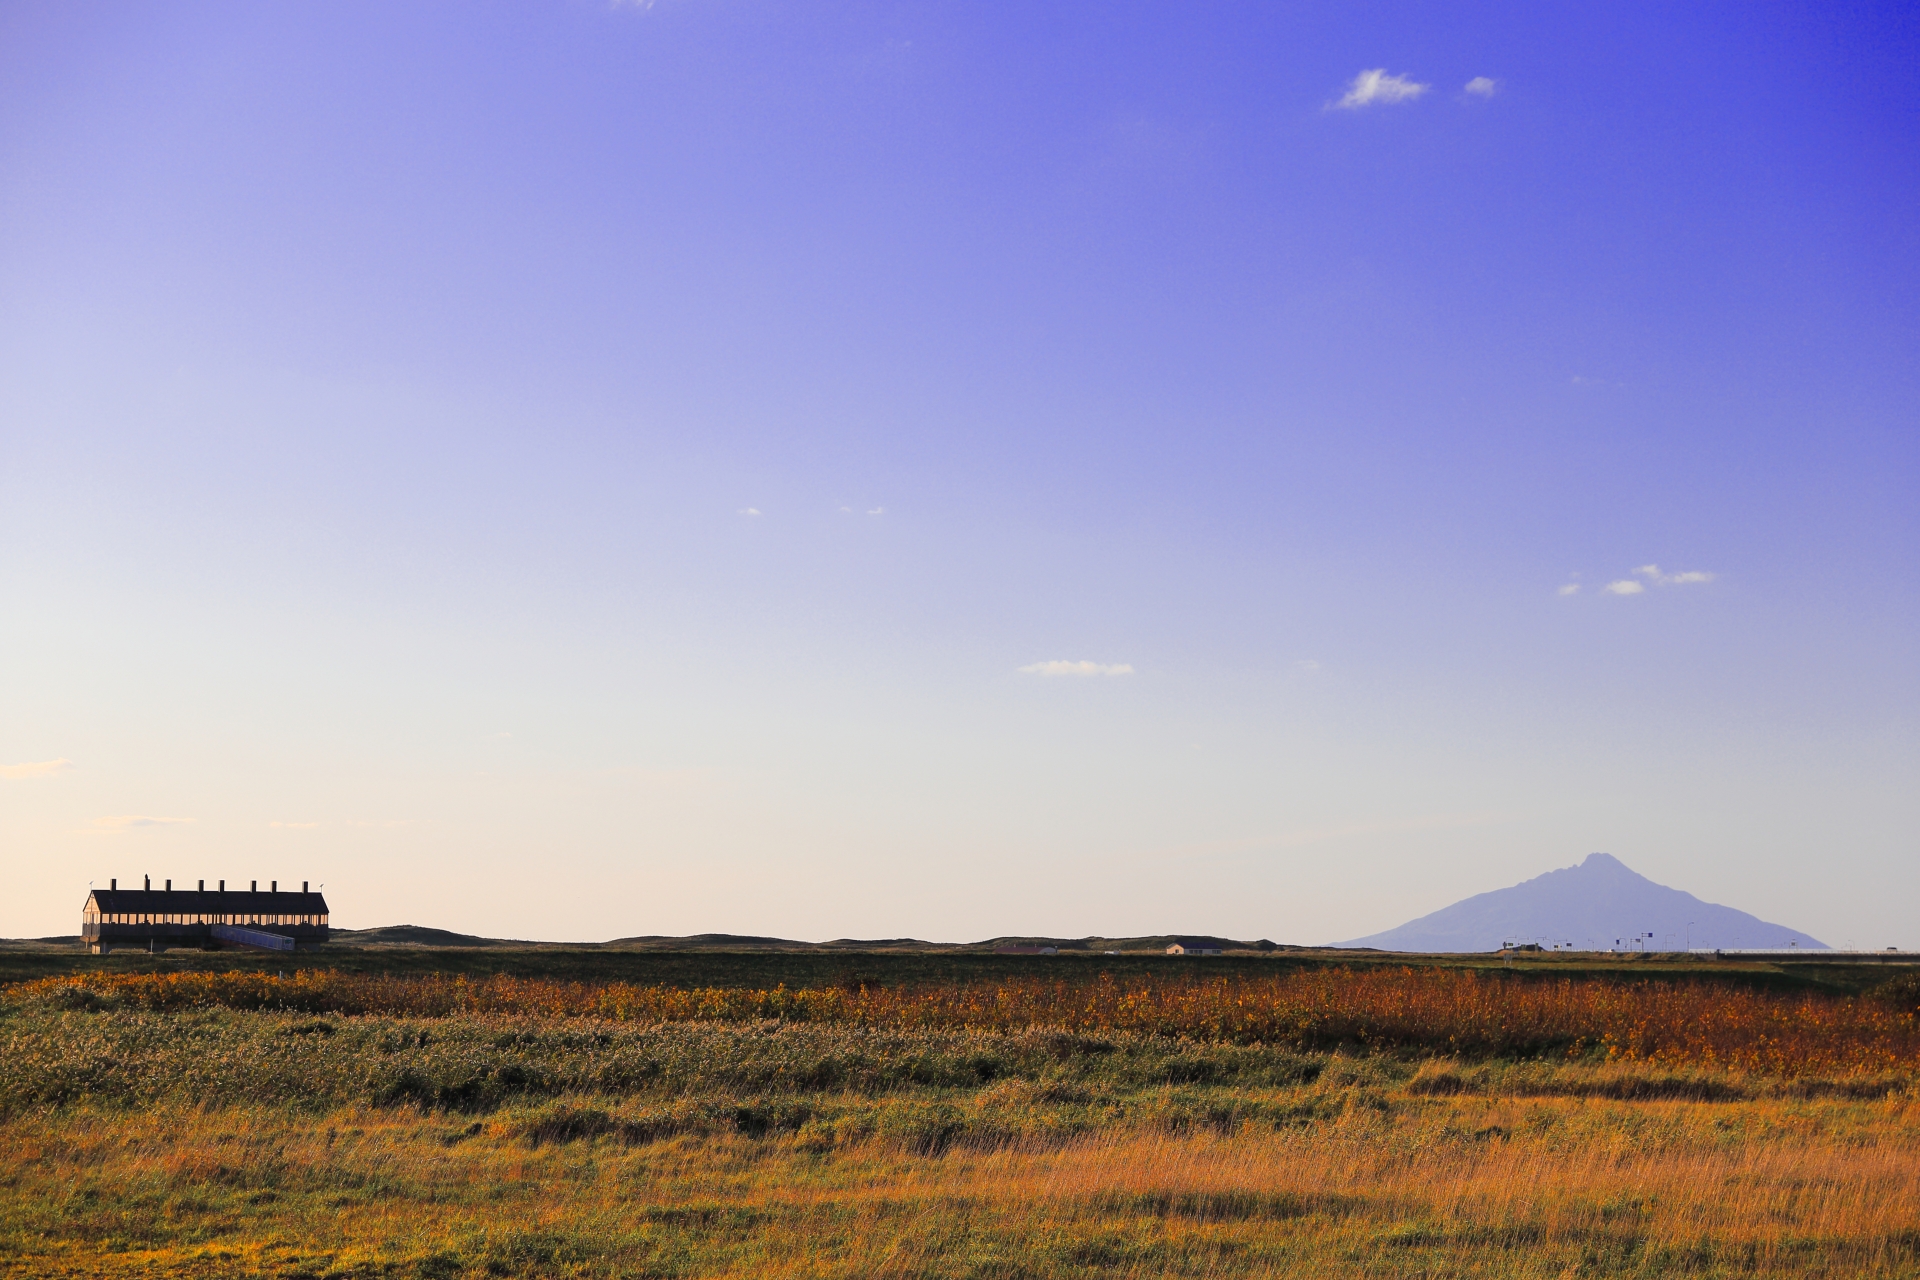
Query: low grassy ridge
pixel 351 1125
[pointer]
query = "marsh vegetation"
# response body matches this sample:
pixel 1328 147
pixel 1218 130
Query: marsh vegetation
pixel 333 1125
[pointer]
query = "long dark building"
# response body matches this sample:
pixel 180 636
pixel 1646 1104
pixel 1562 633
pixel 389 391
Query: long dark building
pixel 155 919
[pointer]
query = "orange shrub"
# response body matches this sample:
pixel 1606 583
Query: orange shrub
pixel 1428 1010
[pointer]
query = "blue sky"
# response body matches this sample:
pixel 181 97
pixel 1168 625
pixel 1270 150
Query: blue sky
pixel 581 470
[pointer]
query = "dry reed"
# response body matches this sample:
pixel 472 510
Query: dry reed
pixel 1468 1187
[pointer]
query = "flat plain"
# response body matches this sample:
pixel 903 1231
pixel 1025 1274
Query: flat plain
pixel 539 1113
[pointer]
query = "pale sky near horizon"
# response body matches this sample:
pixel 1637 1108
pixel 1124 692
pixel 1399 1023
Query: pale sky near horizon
pixel 573 470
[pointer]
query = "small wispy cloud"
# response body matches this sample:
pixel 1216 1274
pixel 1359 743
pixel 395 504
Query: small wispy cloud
pixel 36 768
pixel 1647 575
pixel 1078 669
pixel 129 821
pixel 1651 572
pixel 1483 86
pixel 749 511
pixel 1570 589
pixel 876 511
pixel 1374 86
pixel 295 826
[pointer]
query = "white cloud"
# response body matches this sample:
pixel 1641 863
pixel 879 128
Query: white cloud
pixel 1651 572
pixel 127 821
pixel 1374 86
pixel 877 511
pixel 1570 589
pixel 1624 587
pixel 1483 86
pixel 36 768
pixel 749 511
pixel 1078 669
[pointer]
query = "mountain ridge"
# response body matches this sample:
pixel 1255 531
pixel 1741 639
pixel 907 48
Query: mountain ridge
pixel 1597 904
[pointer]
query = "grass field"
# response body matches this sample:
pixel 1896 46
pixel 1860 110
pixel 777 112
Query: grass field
pixel 1422 1121
pixel 823 968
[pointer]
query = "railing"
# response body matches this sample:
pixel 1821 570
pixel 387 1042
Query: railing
pixel 245 937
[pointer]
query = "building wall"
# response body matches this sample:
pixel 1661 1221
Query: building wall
pixel 146 918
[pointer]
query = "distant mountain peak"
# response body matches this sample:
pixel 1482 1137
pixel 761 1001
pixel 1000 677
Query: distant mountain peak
pixel 1599 903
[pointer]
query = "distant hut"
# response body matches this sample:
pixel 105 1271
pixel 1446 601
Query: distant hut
pixel 1195 947
pixel 155 919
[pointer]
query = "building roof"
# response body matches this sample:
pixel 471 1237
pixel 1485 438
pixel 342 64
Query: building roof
pixel 286 902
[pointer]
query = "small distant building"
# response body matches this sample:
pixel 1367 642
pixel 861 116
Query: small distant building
pixel 156 919
pixel 1194 947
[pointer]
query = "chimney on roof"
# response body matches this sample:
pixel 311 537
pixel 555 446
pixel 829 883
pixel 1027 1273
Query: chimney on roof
pixel 169 886
pixel 203 886
pixel 273 886
pixel 253 886
pixel 303 886
pixel 223 886
pixel 148 881
pixel 113 884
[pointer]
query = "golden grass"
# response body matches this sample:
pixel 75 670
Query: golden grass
pixel 339 1126
pixel 1395 1183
